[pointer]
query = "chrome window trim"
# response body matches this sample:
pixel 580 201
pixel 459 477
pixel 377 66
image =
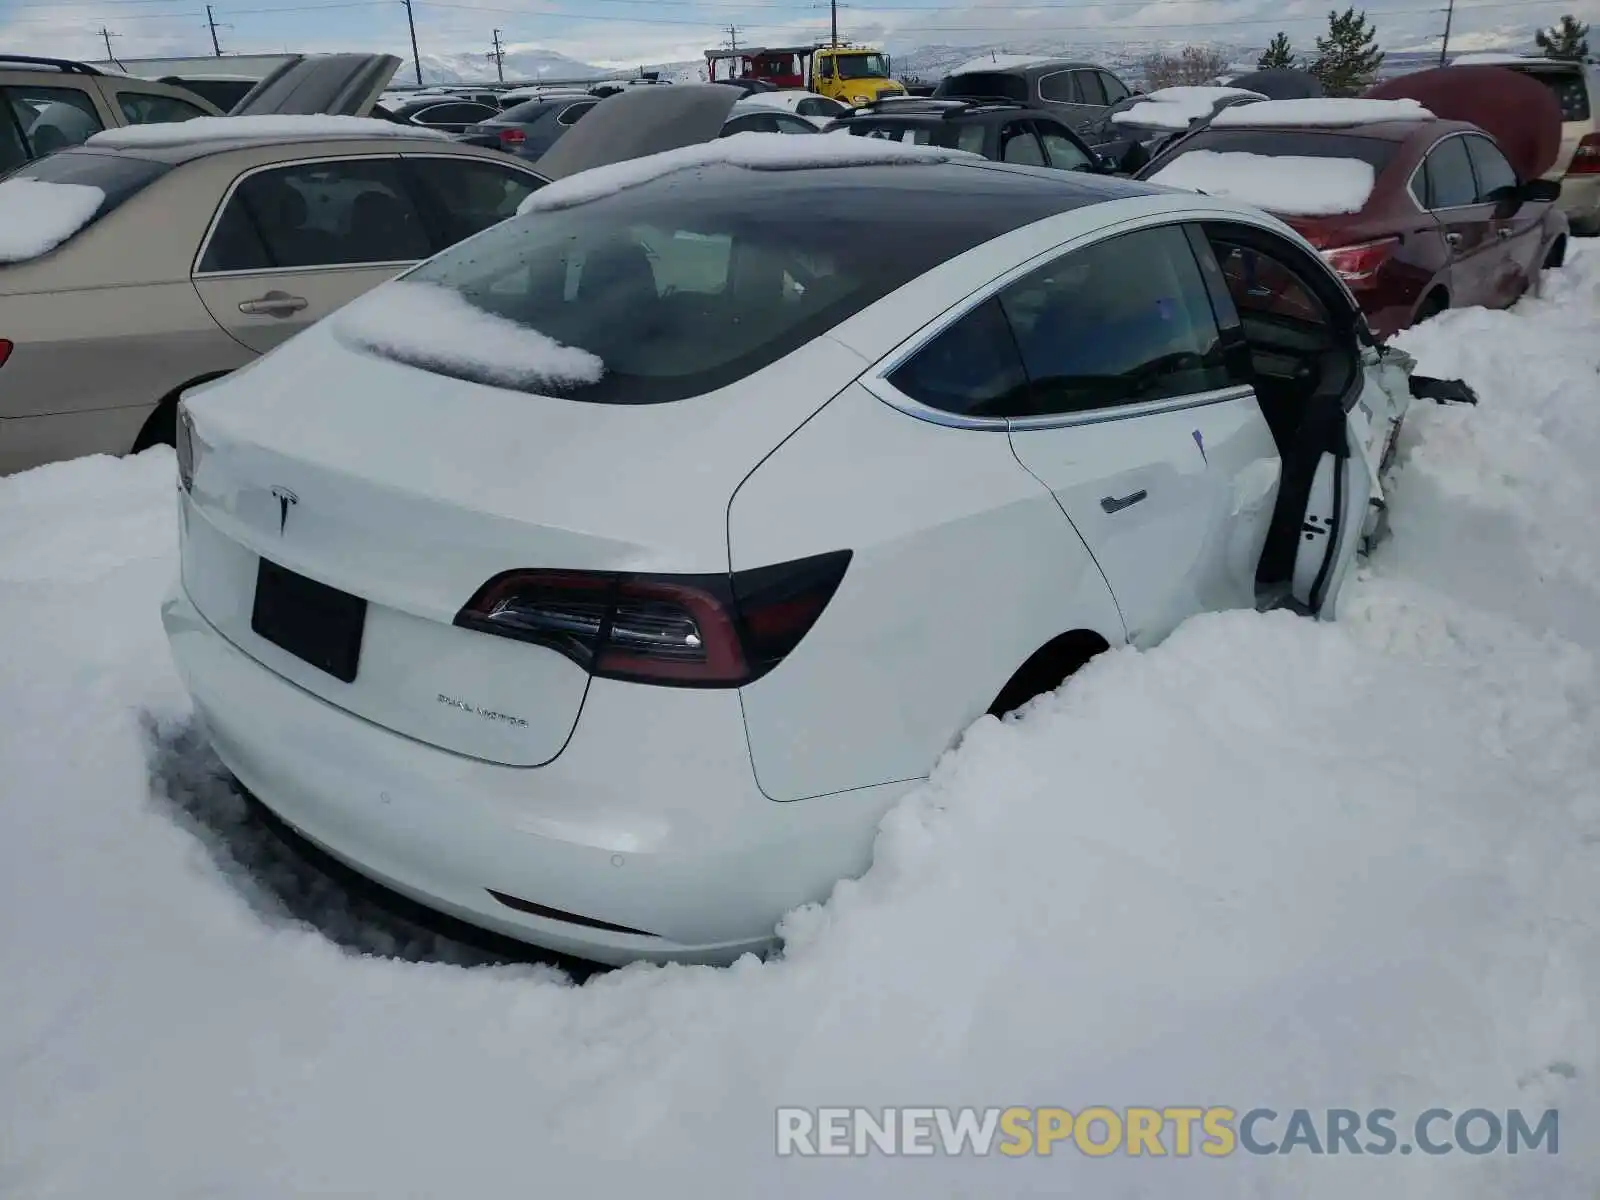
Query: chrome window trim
pixel 1038 86
pixel 876 378
pixel 561 117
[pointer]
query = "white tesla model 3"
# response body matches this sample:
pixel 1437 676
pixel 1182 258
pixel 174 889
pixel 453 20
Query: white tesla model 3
pixel 606 578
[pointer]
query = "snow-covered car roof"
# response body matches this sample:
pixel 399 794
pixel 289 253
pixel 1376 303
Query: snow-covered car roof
pixel 266 127
pixel 787 99
pixel 1323 112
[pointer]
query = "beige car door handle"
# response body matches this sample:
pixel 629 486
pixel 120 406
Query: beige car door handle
pixel 273 304
pixel 1504 231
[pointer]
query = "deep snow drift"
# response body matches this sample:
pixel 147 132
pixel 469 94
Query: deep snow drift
pixel 1271 862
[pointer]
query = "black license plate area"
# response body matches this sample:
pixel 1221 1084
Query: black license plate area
pixel 311 620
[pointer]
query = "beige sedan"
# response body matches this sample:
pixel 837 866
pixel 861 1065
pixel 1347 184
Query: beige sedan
pixel 209 248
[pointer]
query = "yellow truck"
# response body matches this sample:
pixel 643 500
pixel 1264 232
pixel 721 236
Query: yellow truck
pixel 850 74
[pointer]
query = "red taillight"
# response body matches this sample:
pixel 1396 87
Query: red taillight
pixel 1358 264
pixel 678 630
pixel 5 351
pixel 1586 158
pixel 512 137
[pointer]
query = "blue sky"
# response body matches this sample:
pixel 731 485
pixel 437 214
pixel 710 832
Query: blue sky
pixel 635 31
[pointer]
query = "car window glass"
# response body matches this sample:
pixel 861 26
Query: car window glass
pixel 1260 285
pixel 788 124
pixel 316 215
pixel 1450 181
pixel 469 195
pixel 971 369
pixel 454 114
pixel 572 114
pixel 52 118
pixel 1061 151
pixel 819 106
pixel 1570 92
pixel 970 138
pixel 147 108
pixel 1127 319
pixel 1019 145
pixel 1059 87
pixel 1495 175
pixel 1116 90
pixel 753 123
pixel 13 150
pixel 1089 87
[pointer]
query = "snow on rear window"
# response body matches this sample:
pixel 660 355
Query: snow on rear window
pixel 1324 111
pixel 753 151
pixel 267 125
pixel 1288 184
pixel 36 217
pixel 433 327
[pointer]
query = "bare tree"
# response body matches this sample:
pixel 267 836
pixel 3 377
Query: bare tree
pixel 1191 66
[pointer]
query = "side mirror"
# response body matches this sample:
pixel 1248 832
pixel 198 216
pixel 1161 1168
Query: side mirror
pixel 1540 191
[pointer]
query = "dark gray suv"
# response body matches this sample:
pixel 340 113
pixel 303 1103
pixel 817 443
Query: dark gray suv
pixel 1078 93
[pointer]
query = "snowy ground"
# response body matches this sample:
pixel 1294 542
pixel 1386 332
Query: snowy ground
pixel 1268 863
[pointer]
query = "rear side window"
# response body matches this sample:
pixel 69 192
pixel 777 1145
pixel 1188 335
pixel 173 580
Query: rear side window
pixel 1060 87
pixel 1090 88
pixel 994 84
pixel 819 106
pixel 148 108
pixel 318 215
pixel 971 369
pixel 574 112
pixel 1125 320
pixel 1116 90
pixel 684 287
pixel 52 118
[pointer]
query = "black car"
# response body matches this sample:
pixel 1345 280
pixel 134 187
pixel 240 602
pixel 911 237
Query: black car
pixel 532 127
pixel 997 129
pixel 438 112
pixel 1075 92
pixel 1135 131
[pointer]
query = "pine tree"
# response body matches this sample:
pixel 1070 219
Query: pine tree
pixel 1276 55
pixel 1348 58
pixel 1570 39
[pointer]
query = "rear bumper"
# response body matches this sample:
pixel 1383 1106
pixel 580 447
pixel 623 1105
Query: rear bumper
pixel 650 820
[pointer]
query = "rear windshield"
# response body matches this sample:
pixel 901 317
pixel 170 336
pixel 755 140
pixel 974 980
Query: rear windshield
pixel 695 281
pixel 1570 92
pixel 1377 153
pixel 986 83
pixel 119 176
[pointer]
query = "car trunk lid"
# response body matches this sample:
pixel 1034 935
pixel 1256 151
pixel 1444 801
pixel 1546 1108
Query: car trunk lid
pixel 411 491
pixel 311 84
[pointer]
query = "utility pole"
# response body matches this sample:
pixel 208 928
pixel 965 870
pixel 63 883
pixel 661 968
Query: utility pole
pixel 106 33
pixel 833 10
pixel 212 22
pixel 416 59
pixel 1445 47
pixel 733 37
pixel 499 56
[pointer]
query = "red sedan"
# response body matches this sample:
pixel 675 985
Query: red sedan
pixel 1415 213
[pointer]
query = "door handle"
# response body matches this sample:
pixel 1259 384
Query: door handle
pixel 1503 232
pixel 1114 504
pixel 273 304
pixel 1453 239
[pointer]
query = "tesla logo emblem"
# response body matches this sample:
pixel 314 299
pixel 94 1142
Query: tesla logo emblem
pixel 286 500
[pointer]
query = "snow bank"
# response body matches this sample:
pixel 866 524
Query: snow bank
pixel 1270 862
pixel 1324 112
pixel 1177 107
pixel 753 151
pixel 36 217
pixel 426 325
pixel 1289 184
pixel 267 125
